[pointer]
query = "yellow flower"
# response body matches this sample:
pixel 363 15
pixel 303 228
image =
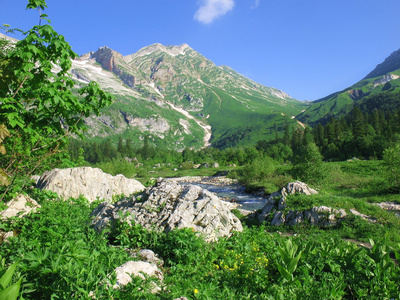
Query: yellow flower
pixel 196 291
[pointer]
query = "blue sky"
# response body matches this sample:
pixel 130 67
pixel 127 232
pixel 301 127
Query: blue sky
pixel 307 48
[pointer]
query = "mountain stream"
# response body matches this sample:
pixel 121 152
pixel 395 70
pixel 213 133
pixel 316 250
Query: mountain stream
pixel 227 190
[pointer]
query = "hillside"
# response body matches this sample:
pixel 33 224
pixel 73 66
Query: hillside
pixel 180 99
pixel 371 92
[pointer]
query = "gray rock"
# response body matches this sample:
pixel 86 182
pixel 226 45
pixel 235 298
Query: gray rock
pixel 91 183
pixel 19 206
pixel 150 257
pixel 297 187
pixel 278 218
pixel 324 216
pixel 35 178
pixel 294 217
pixel 137 268
pixel 363 216
pixel 5 235
pixel 276 202
pixel 282 203
pixel 389 205
pixel 170 205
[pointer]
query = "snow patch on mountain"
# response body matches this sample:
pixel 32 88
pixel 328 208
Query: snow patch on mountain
pixel 206 128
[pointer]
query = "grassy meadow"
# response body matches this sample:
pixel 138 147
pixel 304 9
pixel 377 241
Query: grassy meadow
pixel 59 256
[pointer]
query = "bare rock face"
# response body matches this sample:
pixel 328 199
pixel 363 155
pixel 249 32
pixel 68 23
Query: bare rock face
pixel 170 205
pixel 92 183
pixel 19 206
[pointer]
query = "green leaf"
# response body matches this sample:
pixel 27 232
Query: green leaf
pixel 6 278
pixel 11 293
pixel 33 4
pixel 285 273
pixel 293 263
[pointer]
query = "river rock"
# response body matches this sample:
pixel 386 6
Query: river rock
pixel 170 205
pixel 91 183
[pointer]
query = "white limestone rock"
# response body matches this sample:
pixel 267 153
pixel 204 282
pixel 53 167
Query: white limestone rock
pixel 19 206
pixel 168 206
pixel 91 183
pixel 137 268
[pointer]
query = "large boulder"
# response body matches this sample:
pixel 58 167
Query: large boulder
pixel 170 205
pixel 91 183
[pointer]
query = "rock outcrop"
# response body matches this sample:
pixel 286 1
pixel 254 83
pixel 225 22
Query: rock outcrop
pixel 276 213
pixel 91 183
pixel 19 206
pixel 137 268
pixel 170 205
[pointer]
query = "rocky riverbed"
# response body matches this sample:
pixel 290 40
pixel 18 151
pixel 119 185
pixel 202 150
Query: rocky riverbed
pixel 226 189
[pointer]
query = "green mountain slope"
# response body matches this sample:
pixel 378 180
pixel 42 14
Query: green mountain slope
pixel 380 84
pixel 180 99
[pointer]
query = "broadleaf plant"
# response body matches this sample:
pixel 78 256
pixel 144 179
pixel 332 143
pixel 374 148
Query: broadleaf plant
pixel 38 105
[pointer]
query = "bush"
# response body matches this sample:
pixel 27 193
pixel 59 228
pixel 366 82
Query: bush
pixel 118 166
pixel 187 165
pixel 391 161
pixel 310 167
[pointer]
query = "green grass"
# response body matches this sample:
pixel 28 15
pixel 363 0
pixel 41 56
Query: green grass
pixel 61 257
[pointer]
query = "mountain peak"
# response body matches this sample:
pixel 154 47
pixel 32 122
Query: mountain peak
pixel 390 64
pixel 157 47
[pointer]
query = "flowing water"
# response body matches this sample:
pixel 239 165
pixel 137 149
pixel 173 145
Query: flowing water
pixel 234 193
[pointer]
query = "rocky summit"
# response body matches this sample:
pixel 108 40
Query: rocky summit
pixel 179 98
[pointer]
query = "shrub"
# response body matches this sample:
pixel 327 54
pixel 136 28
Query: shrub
pixel 391 161
pixel 310 167
pixel 187 165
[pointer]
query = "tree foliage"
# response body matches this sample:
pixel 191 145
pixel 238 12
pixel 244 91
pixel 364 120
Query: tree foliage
pixel 391 160
pixel 39 107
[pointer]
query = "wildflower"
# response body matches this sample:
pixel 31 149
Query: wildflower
pixel 196 291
